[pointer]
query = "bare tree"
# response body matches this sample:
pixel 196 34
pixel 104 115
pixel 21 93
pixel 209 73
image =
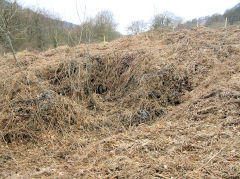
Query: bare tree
pixel 8 12
pixel 56 31
pixel 104 25
pixel 86 31
pixel 137 27
pixel 82 20
pixel 166 19
pixel 158 21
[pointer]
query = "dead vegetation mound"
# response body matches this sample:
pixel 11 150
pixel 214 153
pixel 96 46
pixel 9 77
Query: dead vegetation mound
pixel 180 89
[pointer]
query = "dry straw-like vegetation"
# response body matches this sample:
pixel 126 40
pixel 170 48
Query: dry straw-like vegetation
pixel 157 105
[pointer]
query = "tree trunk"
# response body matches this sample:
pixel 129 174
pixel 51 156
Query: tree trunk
pixel 12 49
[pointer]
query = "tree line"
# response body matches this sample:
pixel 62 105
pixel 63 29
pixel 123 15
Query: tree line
pixel 217 20
pixel 169 20
pixel 23 28
pixel 161 20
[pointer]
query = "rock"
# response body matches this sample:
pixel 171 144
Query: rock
pixel 47 95
pixel 144 115
pixel 158 112
pixel 45 101
pixel 29 101
pixel 235 96
pixel 5 158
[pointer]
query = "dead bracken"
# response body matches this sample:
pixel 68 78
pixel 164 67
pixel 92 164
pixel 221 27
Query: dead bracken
pixel 160 104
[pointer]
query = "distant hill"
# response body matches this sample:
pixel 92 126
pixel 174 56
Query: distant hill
pixel 217 20
pixel 237 6
pixel 38 30
pixel 233 14
pixel 41 30
pixel 69 24
pixel 7 2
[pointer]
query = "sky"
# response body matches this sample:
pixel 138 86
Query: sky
pixel 126 11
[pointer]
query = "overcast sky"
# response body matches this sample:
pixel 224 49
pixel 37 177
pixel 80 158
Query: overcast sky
pixel 126 11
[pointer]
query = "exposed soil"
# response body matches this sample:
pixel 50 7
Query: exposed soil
pixel 157 105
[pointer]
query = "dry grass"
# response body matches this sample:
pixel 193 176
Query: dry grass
pixel 166 104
